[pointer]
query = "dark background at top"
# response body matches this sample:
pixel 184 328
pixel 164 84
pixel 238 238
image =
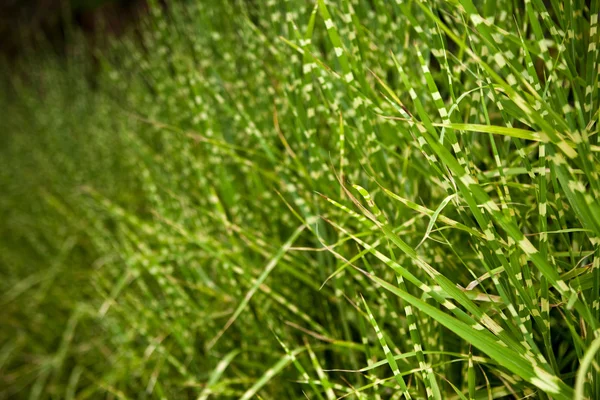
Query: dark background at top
pixel 26 23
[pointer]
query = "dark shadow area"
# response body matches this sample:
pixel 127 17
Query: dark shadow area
pixel 31 24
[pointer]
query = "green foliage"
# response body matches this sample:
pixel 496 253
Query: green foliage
pixel 291 199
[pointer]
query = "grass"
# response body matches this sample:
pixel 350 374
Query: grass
pixel 292 199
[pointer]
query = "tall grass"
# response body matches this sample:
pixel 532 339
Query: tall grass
pixel 299 199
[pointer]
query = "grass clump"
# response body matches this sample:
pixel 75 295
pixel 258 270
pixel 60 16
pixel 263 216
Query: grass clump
pixel 293 199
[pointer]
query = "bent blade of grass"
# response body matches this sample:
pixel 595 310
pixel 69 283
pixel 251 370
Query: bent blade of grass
pixel 505 356
pixel 426 211
pixel 449 287
pixel 434 218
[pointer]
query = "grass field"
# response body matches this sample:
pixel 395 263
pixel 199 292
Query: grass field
pixel 307 199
